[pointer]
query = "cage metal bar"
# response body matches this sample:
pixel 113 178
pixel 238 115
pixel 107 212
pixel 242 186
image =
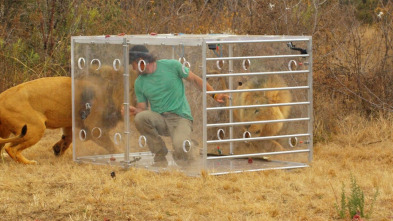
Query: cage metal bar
pixel 258 57
pixel 257 73
pixel 259 105
pixel 262 169
pixel 204 105
pixel 256 154
pixel 257 138
pixel 230 81
pixel 310 98
pixel 73 96
pixel 257 41
pixel 256 122
pixel 126 85
pixel 258 89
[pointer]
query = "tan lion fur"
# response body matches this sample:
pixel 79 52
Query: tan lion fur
pixel 262 113
pixel 263 97
pixel 38 104
pixel 45 103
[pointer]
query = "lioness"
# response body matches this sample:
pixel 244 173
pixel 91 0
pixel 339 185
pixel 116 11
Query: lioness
pixel 38 105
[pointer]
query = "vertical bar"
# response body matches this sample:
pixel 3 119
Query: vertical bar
pixel 310 98
pixel 126 82
pixel 230 83
pixel 73 98
pixel 204 105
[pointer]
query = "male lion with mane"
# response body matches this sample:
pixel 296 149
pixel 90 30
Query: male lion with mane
pixel 263 113
pixel 260 113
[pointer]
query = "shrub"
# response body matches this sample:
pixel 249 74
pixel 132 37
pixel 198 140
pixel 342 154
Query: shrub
pixel 355 202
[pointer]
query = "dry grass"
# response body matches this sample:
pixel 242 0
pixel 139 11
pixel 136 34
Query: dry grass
pixel 60 189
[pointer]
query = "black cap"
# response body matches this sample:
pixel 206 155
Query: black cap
pixel 138 51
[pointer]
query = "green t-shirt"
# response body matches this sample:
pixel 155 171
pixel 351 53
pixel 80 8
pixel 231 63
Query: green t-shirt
pixel 164 89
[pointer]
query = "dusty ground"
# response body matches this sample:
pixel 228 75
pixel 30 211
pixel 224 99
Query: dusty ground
pixel 60 189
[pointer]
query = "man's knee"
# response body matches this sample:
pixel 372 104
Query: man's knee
pixel 140 119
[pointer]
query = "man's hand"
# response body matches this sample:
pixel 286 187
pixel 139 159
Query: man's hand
pixel 133 110
pixel 220 98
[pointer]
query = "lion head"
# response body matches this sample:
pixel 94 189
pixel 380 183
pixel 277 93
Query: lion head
pixel 263 113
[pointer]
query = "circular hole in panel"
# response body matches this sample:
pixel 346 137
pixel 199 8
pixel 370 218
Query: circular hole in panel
pixel 141 65
pixel 116 64
pixel 88 106
pixel 220 64
pixel 142 141
pixel 220 134
pixel 292 141
pixel 186 146
pixel 182 60
pixel 117 138
pixel 246 135
pixel 292 65
pixel 96 132
pixel 186 64
pixel 97 63
pixel 81 63
pixel 246 64
pixel 82 135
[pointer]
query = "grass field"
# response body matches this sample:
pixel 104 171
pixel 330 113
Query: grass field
pixel 60 189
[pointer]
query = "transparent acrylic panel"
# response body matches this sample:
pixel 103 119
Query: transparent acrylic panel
pixel 98 93
pixel 187 157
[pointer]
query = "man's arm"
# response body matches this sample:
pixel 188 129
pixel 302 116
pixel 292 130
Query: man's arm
pixel 195 79
pixel 139 107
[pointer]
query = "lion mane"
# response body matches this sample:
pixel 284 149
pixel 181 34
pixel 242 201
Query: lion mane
pixel 261 113
pixel 263 97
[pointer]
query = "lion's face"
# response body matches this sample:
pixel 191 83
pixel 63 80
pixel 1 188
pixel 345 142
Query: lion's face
pixel 259 114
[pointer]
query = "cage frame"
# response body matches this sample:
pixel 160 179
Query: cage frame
pixel 204 41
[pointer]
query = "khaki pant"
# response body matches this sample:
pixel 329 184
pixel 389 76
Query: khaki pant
pixel 153 125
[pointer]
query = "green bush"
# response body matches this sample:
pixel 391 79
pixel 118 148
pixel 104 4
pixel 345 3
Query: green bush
pixel 355 202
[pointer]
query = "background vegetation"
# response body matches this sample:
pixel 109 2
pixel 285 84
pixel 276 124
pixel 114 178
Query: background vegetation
pixel 352 40
pixel 353 94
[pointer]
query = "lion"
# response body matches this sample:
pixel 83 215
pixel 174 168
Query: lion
pixel 262 113
pixel 109 79
pixel 105 97
pixel 30 108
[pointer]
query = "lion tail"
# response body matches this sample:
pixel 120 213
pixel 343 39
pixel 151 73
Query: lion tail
pixel 13 139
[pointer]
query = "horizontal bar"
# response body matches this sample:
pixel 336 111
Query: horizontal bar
pixel 256 122
pixel 257 73
pixel 257 89
pixel 259 105
pixel 257 41
pixel 257 154
pixel 262 169
pixel 256 138
pixel 258 57
pixel 120 155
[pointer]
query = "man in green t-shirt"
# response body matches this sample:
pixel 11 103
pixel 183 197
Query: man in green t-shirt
pixel 160 84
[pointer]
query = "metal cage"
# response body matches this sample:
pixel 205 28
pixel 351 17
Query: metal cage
pixel 266 123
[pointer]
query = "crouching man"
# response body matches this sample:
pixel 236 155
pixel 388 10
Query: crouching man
pixel 160 84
